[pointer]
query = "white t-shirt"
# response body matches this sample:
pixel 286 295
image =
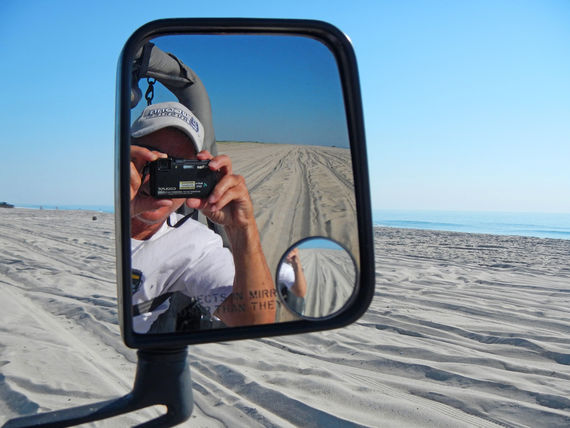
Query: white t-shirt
pixel 286 275
pixel 190 259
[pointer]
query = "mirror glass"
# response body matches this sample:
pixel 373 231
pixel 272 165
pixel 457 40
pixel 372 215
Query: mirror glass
pixel 315 278
pixel 239 150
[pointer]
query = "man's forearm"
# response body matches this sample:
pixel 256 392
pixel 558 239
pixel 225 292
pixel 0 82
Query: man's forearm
pixel 299 288
pixel 253 296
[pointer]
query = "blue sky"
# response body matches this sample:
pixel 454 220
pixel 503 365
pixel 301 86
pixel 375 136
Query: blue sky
pixel 264 88
pixel 466 103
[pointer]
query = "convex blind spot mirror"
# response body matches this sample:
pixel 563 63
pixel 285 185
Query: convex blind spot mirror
pixel 315 278
pixel 236 142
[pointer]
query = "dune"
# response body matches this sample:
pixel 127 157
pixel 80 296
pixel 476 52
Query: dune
pixel 464 330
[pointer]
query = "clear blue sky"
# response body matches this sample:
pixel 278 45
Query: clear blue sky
pixel 467 103
pixel 264 88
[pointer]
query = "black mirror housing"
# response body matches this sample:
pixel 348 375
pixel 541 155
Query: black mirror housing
pixel 341 49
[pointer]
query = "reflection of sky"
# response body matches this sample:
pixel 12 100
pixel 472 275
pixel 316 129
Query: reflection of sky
pixel 320 243
pixel 294 82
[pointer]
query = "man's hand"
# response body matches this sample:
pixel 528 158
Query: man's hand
pixel 140 156
pixel 229 203
pixel 293 257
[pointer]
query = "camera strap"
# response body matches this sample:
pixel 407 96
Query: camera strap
pixel 150 305
pixel 181 221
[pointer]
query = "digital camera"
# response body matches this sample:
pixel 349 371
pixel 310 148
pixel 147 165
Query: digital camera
pixel 181 178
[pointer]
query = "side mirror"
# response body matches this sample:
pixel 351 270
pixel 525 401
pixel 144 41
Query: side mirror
pixel 242 200
pixel 280 99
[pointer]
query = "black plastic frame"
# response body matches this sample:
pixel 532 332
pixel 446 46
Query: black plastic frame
pixel 343 52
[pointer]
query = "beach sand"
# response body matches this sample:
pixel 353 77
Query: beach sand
pixel 297 191
pixel 464 330
pixel 330 276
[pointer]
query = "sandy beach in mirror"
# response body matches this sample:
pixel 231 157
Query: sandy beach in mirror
pixel 297 191
pixel 464 330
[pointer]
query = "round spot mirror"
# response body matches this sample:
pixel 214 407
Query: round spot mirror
pixel 315 278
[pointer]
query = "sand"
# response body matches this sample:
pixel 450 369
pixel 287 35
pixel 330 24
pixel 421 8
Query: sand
pixel 330 275
pixel 464 330
pixel 297 191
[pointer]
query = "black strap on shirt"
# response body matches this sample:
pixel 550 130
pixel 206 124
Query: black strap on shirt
pixel 150 305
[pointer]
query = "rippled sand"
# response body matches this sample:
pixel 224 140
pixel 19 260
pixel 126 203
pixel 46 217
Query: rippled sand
pixel 464 330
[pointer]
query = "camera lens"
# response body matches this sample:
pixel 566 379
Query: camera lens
pixel 163 164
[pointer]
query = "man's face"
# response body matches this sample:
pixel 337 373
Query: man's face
pixel 176 144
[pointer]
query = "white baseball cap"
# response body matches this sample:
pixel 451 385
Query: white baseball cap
pixel 169 114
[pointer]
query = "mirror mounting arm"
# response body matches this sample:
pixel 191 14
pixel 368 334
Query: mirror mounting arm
pixel 162 378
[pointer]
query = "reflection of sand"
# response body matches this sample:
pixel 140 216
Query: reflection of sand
pixel 297 191
pixel 330 280
pixel 464 330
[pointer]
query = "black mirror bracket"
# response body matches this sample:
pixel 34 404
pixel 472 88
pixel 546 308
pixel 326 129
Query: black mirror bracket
pixel 162 378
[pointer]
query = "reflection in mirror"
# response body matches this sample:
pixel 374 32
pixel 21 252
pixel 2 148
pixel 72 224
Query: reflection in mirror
pixel 228 170
pixel 184 279
pixel 316 278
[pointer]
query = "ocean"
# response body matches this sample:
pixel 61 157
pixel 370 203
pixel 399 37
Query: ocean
pixel 541 225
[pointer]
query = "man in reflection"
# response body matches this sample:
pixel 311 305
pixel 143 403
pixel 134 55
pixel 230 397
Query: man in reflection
pixel 291 282
pixel 183 277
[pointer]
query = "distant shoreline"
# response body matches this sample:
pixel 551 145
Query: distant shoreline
pixel 426 232
pixel 538 225
pixel 99 208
